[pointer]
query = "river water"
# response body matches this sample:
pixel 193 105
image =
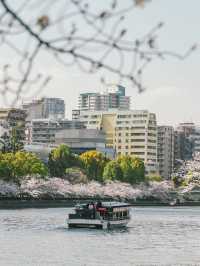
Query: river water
pixel 155 236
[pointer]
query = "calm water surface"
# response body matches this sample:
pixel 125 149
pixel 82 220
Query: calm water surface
pixel 155 236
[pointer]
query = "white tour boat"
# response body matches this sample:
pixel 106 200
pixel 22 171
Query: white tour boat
pixel 104 215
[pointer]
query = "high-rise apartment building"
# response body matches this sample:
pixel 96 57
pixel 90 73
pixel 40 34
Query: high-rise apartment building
pixel 165 150
pixel 130 132
pixel 53 108
pixel 183 142
pixel 114 98
pixel 196 140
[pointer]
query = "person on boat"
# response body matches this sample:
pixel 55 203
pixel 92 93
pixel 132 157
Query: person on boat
pixel 92 209
pixel 99 204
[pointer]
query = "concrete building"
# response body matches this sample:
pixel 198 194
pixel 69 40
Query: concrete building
pixel 195 136
pixel 183 142
pixel 81 140
pixel 75 114
pixel 53 108
pixel 44 130
pixel 78 139
pixel 12 121
pixel 165 150
pixel 114 98
pixel 130 132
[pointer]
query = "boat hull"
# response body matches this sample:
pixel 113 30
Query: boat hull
pixel 94 223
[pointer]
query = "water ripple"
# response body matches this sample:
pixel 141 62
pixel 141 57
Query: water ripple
pixel 155 236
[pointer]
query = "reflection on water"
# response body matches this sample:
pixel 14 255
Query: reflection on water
pixel 155 236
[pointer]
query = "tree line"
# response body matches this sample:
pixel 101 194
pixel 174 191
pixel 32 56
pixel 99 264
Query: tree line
pixel 16 166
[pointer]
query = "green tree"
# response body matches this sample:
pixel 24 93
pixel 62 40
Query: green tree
pixel 26 163
pixel 139 169
pixel 60 159
pixel 16 166
pixel 133 169
pixel 14 142
pixel 94 163
pixel 112 171
pixel 6 170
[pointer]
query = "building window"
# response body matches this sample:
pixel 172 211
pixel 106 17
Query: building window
pixel 138 153
pixel 151 153
pixel 137 134
pixel 151 134
pixel 151 147
pixel 137 140
pixel 137 147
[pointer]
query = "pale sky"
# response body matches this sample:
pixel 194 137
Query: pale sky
pixel 173 87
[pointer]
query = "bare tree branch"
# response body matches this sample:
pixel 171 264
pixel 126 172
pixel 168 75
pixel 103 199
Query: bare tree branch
pixel 74 32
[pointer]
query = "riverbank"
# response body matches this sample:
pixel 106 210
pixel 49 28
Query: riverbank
pixel 56 192
pixel 61 203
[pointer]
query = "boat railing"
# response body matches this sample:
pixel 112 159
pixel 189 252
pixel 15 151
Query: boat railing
pixel 117 218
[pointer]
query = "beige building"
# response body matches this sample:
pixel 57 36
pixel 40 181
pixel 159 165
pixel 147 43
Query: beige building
pixel 129 132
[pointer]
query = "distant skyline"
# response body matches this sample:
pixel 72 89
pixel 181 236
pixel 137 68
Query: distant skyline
pixel 173 86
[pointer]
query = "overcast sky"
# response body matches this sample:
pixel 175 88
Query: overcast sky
pixel 173 87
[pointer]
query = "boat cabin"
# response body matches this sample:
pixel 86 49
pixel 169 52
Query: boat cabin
pixel 110 211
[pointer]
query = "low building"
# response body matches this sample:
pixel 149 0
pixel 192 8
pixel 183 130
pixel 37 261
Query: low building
pixel 81 140
pixel 44 130
pixel 165 151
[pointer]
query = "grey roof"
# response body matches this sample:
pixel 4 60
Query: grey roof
pixel 115 204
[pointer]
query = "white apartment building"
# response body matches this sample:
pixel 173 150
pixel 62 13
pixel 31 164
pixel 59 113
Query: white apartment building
pixel 130 132
pixel 114 98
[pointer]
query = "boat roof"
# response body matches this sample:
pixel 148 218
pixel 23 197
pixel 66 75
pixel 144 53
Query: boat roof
pixel 108 204
pixel 114 204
